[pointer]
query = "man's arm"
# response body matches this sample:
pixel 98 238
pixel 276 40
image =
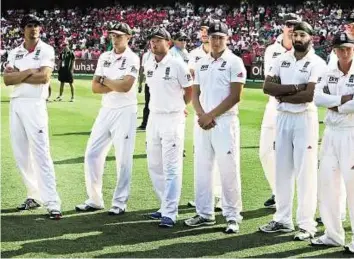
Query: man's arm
pixel 121 85
pixel 305 96
pixel 322 96
pixel 187 94
pixel 41 77
pixel 14 78
pixel 347 107
pixel 195 100
pixel 98 88
pixel 141 79
pixel 273 88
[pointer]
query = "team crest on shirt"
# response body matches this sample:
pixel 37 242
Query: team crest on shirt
pixel 122 66
pixel 204 67
pixel 351 81
pixel 106 63
pixel 276 54
pixel 304 68
pixel 285 64
pixel 333 80
pixel 167 73
pixel 19 56
pixel 36 55
pixel 149 73
pixel 222 67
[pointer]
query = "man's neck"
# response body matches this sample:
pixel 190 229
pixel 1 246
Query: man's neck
pixel 30 44
pixel 301 55
pixel 119 51
pixel 160 57
pixel 287 43
pixel 217 55
pixel 344 66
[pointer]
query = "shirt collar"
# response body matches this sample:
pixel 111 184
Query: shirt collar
pixel 38 45
pixel 351 69
pixel 124 54
pixel 222 57
pixel 309 54
pixel 164 60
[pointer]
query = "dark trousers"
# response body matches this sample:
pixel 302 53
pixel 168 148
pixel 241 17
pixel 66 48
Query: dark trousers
pixel 146 107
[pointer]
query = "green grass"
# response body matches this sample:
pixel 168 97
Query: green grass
pixel 30 234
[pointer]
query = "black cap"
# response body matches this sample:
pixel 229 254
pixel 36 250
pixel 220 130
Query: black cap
pixel 30 18
pixel 206 23
pixel 121 28
pixel 180 36
pixel 303 26
pixel 342 40
pixel 350 18
pixel 218 28
pixel 291 18
pixel 161 33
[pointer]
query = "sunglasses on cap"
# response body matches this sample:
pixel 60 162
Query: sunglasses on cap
pixel 290 24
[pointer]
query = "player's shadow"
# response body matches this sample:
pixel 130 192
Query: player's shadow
pixel 84 133
pixel 81 159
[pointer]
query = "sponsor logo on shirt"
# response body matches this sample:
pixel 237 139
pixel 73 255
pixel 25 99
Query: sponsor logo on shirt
pixel 333 80
pixel 189 77
pixel 204 67
pixel 149 73
pixel 285 64
pixel 106 63
pixel 18 56
pixel 276 54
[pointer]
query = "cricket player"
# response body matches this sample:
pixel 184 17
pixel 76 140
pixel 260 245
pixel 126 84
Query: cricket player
pixel 29 69
pixel 179 46
pixel 195 55
pixel 267 138
pixel 335 91
pixel 115 78
pixel 333 64
pixel 170 90
pixel 292 79
pixel 219 79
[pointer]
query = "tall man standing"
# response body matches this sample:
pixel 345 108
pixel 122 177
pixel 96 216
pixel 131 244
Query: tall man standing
pixel 115 78
pixel 267 138
pixel 66 71
pixel 219 79
pixel 292 79
pixel 170 89
pixel 29 70
pixel 335 91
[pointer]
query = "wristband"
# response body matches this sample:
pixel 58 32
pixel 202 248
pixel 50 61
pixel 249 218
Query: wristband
pixel 101 80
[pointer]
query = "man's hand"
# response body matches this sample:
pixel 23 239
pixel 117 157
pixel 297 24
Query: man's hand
pixel 276 80
pixel 346 98
pixel 335 109
pixel 206 121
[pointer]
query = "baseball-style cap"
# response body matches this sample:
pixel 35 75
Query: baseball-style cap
pixel 303 26
pixel 342 40
pixel 180 36
pixel 218 28
pixel 121 29
pixel 291 18
pixel 30 18
pixel 161 33
pixel 206 23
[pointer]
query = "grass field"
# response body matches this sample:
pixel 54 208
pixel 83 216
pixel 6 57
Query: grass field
pixel 30 234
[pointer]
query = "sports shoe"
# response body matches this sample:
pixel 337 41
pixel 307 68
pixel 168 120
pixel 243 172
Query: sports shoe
pixel 197 221
pixel 114 211
pixel 319 220
pixel 232 227
pixel 155 215
pixel 58 99
pixel 217 204
pixel 166 222
pixel 302 235
pixel 28 204
pixel 274 226
pixel 270 203
pixel 85 208
pixel 72 100
pixel 347 250
pixel 191 204
pixel 55 215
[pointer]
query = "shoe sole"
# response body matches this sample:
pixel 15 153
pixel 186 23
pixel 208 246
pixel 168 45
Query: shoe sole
pixel 165 226
pixel 115 214
pixel 230 231
pixel 201 224
pixel 57 217
pixel 270 206
pixel 31 208
pixel 88 210
pixel 275 231
pixel 190 205
pixel 299 239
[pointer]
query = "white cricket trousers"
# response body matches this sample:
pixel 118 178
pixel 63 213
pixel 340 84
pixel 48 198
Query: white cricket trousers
pixel 267 144
pixel 220 144
pixel 336 164
pixel 117 126
pixel 30 144
pixel 296 148
pixel 164 148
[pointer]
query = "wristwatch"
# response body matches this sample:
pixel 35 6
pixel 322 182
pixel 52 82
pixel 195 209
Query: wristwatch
pixel 102 80
pixel 297 87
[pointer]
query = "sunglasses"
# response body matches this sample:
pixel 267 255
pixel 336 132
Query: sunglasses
pixel 31 25
pixel 290 24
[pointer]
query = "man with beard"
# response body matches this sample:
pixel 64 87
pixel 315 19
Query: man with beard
pixel 115 78
pixel 170 90
pixel 29 70
pixel 195 56
pixel 267 138
pixel 292 79
pixel 335 92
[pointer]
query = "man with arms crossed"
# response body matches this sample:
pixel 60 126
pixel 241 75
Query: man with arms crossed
pixel 29 70
pixel 267 138
pixel 292 79
pixel 115 78
pixel 170 90
pixel 219 79
pixel 335 91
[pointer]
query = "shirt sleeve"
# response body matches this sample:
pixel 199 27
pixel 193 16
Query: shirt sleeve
pixel 238 72
pixel 192 61
pixel 348 107
pixel 99 67
pixel 322 95
pixel 184 77
pixel 133 68
pixel 317 71
pixel 267 60
pixel 48 58
pixel 11 59
pixel 274 68
pixel 196 75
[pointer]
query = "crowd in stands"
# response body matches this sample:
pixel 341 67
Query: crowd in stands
pixel 252 27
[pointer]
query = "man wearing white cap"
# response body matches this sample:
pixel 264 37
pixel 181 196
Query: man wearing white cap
pixel 267 138
pixel 335 92
pixel 219 79
pixel 115 78
pixel 292 79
